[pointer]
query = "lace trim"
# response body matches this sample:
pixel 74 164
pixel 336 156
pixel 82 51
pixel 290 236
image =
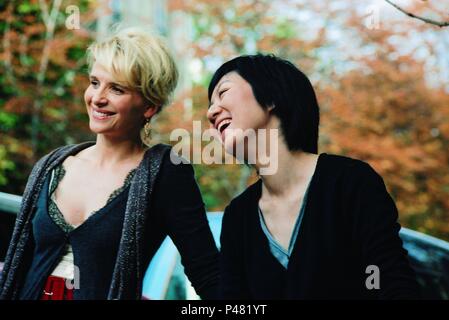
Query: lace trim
pixel 53 210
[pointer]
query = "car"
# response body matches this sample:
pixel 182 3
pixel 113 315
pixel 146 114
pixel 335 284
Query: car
pixel 165 277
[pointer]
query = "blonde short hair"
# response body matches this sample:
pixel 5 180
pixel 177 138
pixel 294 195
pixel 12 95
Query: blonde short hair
pixel 139 61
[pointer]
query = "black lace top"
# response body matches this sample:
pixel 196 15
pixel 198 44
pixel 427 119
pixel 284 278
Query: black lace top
pixel 56 214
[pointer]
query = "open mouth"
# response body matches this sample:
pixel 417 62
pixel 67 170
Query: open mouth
pixel 223 125
pixel 102 114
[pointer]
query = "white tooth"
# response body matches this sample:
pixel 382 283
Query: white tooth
pixel 222 123
pixel 101 114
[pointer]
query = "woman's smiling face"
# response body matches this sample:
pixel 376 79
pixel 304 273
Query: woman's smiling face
pixel 233 109
pixel 112 108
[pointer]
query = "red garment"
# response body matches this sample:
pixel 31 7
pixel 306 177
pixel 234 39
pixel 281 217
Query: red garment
pixel 56 289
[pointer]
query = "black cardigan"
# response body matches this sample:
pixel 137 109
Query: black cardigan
pixel 350 223
pixel 171 206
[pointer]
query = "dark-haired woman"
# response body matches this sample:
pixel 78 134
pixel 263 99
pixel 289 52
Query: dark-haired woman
pixel 321 226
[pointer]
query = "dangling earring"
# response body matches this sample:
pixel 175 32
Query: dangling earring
pixel 147 129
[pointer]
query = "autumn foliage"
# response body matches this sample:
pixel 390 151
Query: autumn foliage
pixel 382 89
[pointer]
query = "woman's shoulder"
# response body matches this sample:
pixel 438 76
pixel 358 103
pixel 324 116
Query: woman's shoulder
pixel 69 149
pixel 170 160
pixel 344 164
pixel 171 167
pixel 341 162
pixel 159 148
pixel 241 212
pixel 347 170
pixel 60 153
pixel 247 198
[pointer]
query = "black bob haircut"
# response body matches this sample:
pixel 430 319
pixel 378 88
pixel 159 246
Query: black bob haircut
pixel 279 83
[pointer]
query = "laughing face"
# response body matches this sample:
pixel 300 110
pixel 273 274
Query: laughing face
pixel 234 109
pixel 113 109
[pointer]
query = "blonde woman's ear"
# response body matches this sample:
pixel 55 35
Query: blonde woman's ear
pixel 151 110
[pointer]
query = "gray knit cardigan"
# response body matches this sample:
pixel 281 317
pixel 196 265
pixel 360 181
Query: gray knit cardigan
pixel 128 271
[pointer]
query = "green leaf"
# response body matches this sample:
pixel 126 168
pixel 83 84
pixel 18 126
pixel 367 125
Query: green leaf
pixel 284 30
pixel 7 120
pixel 24 8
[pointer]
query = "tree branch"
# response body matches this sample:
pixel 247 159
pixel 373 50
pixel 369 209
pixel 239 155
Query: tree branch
pixel 44 9
pixel 50 24
pixel 436 23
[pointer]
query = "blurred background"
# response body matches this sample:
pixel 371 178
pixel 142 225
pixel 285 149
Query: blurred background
pixel 382 81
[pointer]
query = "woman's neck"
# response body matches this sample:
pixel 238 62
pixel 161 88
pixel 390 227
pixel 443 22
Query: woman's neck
pixel 294 170
pixel 112 152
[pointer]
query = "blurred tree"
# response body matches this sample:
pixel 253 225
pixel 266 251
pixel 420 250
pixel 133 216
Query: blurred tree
pixel 382 88
pixel 222 30
pixel 386 113
pixel 42 79
pixel 377 103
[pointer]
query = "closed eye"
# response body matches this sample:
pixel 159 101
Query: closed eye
pixel 221 92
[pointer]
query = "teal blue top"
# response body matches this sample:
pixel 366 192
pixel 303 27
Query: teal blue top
pixel 282 255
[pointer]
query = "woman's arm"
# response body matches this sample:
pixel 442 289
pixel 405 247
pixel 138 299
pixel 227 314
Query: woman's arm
pixel 232 275
pixel 376 230
pixel 187 225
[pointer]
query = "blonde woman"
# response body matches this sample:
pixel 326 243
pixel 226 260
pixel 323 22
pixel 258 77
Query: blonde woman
pixel 94 214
